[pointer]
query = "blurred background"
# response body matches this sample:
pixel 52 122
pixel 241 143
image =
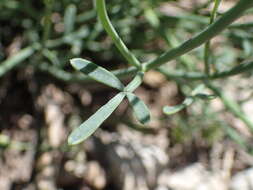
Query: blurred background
pixel 207 146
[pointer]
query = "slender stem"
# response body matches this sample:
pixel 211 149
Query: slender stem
pixel 242 25
pixel 104 19
pixel 234 135
pixel 243 67
pixel 173 42
pixel 17 59
pixel 79 34
pixel 212 30
pixel 47 20
pixel 207 58
pixel 232 106
pixel 135 83
pixel 204 20
pixel 207 45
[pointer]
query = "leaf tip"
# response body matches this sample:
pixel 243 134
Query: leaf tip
pixel 73 139
pixel 70 141
pixel 165 109
pixel 75 62
pixel 145 120
pixel 169 110
pixel 79 63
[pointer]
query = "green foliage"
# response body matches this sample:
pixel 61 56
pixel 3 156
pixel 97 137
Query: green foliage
pixel 140 109
pixel 90 125
pixel 97 73
pixel 69 19
pixel 103 76
pixel 53 32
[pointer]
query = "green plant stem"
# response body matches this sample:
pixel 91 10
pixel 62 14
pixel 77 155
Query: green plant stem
pixel 79 34
pixel 135 83
pixel 204 20
pixel 243 67
pixel 242 25
pixel 47 20
pixel 212 30
pixel 207 45
pixel 232 106
pixel 104 19
pixel 173 41
pixel 16 59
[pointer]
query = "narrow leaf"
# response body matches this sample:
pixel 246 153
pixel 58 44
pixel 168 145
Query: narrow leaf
pixel 16 59
pixel 169 110
pixel 141 111
pixel 92 123
pixel 69 19
pixel 152 17
pixel 97 73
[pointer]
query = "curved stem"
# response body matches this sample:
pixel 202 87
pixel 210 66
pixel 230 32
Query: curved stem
pixel 221 24
pixel 207 45
pixel 104 19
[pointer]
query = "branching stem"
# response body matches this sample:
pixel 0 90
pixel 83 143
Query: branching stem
pixel 104 19
pixel 212 30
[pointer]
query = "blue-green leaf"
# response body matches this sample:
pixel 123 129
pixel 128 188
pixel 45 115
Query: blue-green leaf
pixel 141 111
pixel 169 110
pixel 92 123
pixel 97 73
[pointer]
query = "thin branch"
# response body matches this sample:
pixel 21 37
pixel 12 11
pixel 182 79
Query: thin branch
pixel 104 19
pixel 207 45
pixel 47 20
pixel 211 31
pixel 131 71
pixel 243 67
pixel 16 59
